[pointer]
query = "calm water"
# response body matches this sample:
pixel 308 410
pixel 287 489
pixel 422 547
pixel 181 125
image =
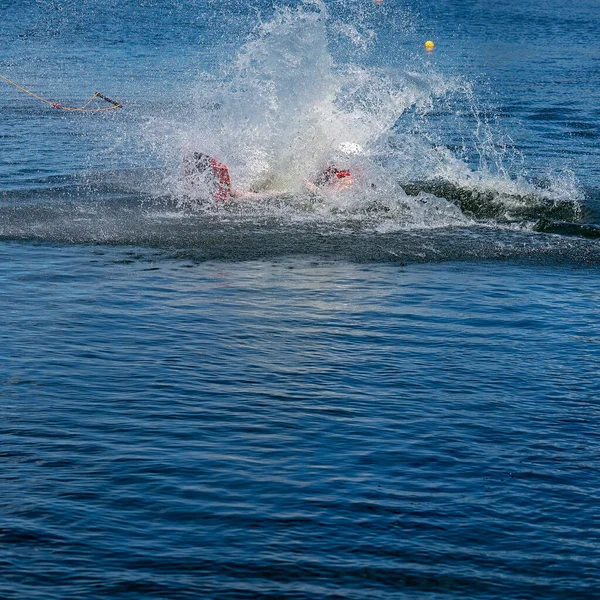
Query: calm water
pixel 388 394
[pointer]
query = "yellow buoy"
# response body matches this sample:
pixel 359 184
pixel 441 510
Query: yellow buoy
pixel 429 45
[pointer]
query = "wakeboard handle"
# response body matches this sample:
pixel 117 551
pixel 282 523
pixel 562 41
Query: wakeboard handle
pixel 113 102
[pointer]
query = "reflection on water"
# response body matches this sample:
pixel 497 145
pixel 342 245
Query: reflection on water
pixel 295 429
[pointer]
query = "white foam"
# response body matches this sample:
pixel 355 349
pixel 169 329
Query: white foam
pixel 277 114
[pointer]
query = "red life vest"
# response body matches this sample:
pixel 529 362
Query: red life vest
pixel 222 180
pixel 342 174
pixel 204 170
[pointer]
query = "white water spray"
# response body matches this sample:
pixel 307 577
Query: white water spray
pixel 278 113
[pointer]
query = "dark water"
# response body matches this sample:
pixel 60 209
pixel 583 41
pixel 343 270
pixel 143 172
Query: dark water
pixel 293 429
pixel 392 394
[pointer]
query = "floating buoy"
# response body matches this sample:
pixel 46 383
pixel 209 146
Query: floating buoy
pixel 429 45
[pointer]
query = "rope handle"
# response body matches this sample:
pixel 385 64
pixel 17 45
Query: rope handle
pixel 58 105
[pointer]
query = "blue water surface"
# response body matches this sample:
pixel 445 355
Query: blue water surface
pixel 297 429
pixel 284 400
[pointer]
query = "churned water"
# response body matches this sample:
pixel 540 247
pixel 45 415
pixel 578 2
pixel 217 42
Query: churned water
pixel 389 391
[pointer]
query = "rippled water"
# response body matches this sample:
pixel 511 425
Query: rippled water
pixel 387 394
pixel 296 428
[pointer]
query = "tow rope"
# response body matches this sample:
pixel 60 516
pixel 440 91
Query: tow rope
pixel 58 105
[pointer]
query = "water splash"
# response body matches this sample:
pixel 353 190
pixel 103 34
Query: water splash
pixel 303 83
